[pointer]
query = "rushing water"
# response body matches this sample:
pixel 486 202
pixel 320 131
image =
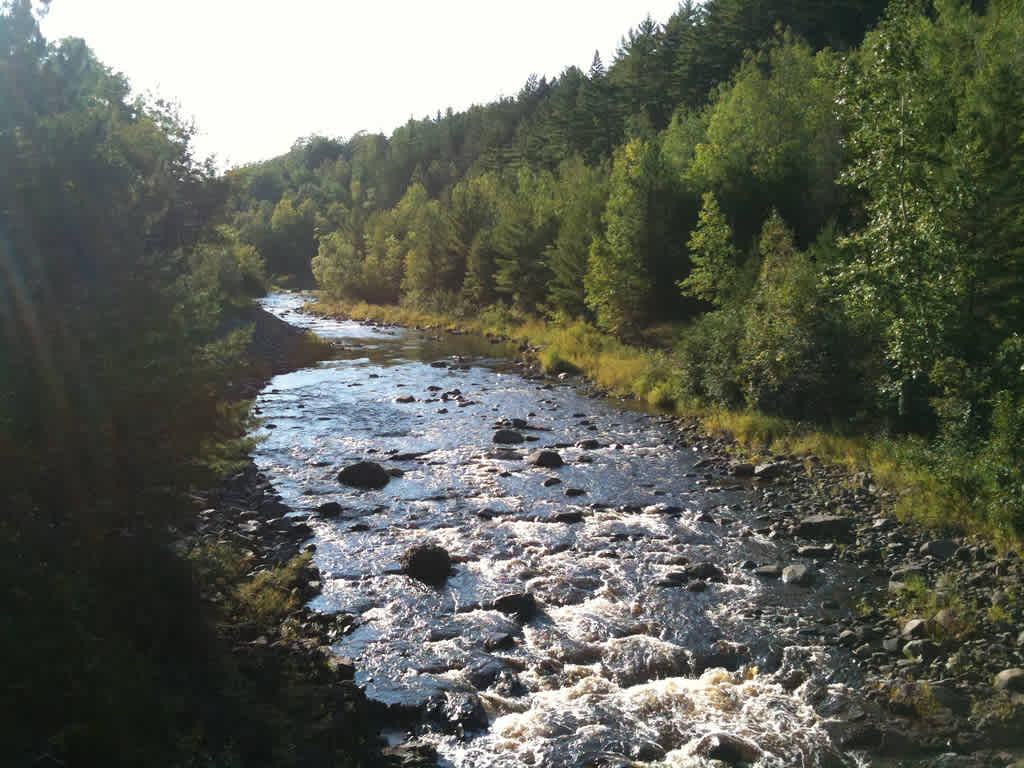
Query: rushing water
pixel 622 661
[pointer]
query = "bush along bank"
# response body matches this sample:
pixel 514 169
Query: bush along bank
pixel 938 628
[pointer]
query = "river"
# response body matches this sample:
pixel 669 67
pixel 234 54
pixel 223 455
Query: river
pixel 628 661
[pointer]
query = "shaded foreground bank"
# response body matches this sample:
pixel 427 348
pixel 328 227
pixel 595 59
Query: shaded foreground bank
pixel 163 639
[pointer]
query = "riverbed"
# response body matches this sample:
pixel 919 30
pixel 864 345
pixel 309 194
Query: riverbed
pixel 656 639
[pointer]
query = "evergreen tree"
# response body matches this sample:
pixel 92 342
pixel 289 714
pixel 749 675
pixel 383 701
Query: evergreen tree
pixel 618 282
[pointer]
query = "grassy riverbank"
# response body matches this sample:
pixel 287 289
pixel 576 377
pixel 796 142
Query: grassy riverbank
pixel 940 489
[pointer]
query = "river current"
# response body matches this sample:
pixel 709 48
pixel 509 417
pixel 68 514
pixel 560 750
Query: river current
pixel 625 662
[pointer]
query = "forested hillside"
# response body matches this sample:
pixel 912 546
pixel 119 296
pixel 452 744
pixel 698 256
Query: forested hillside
pixel 827 196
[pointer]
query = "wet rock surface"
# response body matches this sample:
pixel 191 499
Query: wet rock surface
pixel 665 584
pixel 365 474
pixel 428 563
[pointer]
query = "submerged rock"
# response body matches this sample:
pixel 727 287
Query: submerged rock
pixel 521 606
pixel 636 659
pixel 428 563
pixel 365 474
pixel 457 712
pixel 508 436
pixel 728 748
pixel 329 509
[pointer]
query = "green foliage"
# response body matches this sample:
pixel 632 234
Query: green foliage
pixel 228 270
pixel 713 256
pixel 271 595
pixel 708 358
pixel 525 228
pixel 618 282
pixel 772 139
pixel 430 259
pixel 579 200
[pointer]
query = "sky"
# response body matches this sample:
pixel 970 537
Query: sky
pixel 256 75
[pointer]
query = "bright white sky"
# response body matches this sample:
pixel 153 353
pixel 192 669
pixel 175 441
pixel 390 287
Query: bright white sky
pixel 256 75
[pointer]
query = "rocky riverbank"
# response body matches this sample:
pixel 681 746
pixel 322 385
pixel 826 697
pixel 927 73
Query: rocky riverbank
pixel 939 629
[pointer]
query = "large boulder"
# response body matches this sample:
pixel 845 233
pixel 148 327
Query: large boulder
pixel 364 474
pixel 508 436
pixel 522 606
pixel 798 574
pixel 549 459
pixel 705 572
pixel 824 527
pixel 770 470
pixel 1011 680
pixel 428 563
pixel 940 549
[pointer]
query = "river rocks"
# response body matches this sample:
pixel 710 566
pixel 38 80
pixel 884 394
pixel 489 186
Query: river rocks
pixel 549 459
pixel 741 469
pixel 551 481
pixel 329 509
pixel 798 574
pixel 457 712
pixel 574 492
pixel 770 470
pixel 926 650
pixel 569 516
pixel 365 474
pixel 411 754
pixel 1010 680
pixel 589 444
pixel 408 456
pixel 728 748
pixel 769 572
pixel 824 527
pixel 521 606
pixel 915 629
pixel 635 659
pixel 405 399
pixel 662 509
pixel 705 572
pixel 817 552
pixel 941 549
pixel 428 563
pixel 508 436
pixel 721 654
